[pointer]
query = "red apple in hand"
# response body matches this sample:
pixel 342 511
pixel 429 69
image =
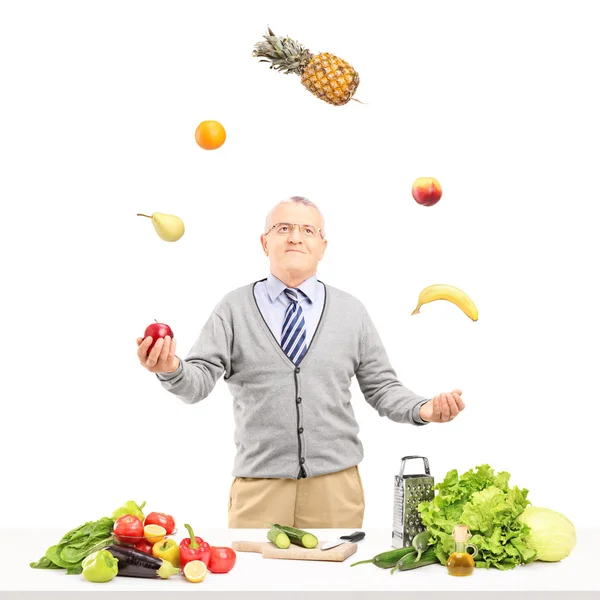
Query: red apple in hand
pixel 427 191
pixel 157 330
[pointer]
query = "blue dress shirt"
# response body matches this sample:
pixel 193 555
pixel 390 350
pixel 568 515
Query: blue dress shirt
pixel 273 303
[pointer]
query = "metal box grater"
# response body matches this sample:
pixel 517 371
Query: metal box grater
pixel 409 492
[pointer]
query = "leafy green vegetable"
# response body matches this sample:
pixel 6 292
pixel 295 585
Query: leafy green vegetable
pixel 485 502
pixel 44 563
pixel 75 545
pixel 552 534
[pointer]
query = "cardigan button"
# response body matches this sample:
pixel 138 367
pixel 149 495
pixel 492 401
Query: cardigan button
pixel 297 369
pixel 301 430
pixel 302 461
pixel 298 400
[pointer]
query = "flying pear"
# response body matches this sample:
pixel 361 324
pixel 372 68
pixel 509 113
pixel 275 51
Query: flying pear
pixel 169 227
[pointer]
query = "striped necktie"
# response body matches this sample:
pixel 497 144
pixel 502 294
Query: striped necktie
pixel 293 337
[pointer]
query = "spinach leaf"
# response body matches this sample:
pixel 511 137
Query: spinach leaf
pixel 75 545
pixel 53 554
pixel 75 569
pixel 44 563
pixel 73 556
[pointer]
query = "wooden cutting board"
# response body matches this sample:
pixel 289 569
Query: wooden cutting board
pixel 270 550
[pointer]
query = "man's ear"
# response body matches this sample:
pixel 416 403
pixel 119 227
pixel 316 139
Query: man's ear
pixel 324 248
pixel 263 243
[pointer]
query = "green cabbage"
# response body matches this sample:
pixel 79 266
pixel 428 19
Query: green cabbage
pixel 485 502
pixel 552 534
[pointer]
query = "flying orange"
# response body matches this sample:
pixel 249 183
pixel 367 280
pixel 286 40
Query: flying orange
pixel 210 135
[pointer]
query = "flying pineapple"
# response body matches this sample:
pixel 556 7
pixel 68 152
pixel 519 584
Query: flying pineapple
pixel 325 75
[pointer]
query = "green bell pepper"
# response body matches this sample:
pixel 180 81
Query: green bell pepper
pixel 130 508
pixel 100 566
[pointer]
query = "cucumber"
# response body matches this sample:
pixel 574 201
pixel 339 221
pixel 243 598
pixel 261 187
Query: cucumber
pixel 386 560
pixel 420 543
pixel 409 561
pixel 278 537
pixel 299 536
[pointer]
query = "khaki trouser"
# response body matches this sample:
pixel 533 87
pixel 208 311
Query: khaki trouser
pixel 333 500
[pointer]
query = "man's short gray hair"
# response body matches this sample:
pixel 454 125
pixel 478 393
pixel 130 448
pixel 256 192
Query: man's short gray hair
pixel 297 199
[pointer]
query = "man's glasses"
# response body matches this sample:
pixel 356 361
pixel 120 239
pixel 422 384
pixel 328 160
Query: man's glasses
pixel 309 231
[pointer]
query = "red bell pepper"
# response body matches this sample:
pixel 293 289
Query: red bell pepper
pixel 193 548
pixel 222 559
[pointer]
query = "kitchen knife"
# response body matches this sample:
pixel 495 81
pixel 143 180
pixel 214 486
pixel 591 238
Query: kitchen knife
pixel 353 537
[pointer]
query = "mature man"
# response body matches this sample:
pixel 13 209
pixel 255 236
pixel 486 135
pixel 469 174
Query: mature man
pixel 288 346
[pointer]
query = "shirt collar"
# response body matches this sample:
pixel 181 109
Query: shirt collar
pixel 275 287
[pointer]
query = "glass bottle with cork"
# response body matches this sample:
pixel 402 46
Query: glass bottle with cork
pixel 460 563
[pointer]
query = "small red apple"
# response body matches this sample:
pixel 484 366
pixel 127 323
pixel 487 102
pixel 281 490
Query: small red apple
pixel 427 191
pixel 157 330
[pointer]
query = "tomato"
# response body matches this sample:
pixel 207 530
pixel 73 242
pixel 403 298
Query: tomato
pixel 144 546
pixel 221 560
pixel 128 529
pixel 161 519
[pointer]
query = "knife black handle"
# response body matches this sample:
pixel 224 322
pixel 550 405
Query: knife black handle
pixel 353 537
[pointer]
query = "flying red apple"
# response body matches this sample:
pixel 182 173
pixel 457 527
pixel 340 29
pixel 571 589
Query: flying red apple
pixel 427 191
pixel 157 330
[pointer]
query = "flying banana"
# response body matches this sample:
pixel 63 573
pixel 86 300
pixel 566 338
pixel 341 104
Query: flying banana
pixel 441 291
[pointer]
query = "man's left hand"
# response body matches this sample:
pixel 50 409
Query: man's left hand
pixel 442 408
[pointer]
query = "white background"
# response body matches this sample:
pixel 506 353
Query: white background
pixel 100 101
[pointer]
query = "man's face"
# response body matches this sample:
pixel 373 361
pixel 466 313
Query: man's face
pixel 293 252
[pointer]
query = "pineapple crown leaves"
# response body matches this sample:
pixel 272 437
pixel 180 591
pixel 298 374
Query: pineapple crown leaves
pixel 283 53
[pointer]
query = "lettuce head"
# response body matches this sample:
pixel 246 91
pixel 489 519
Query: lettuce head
pixel 551 534
pixel 490 507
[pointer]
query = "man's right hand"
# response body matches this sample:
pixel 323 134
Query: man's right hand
pixel 162 357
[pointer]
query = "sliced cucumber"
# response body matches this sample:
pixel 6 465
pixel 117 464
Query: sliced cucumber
pixel 299 536
pixel 278 537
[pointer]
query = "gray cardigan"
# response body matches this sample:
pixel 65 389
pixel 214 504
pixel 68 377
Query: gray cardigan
pixel 293 421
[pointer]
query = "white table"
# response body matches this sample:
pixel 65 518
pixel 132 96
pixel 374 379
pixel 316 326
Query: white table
pixel 255 577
